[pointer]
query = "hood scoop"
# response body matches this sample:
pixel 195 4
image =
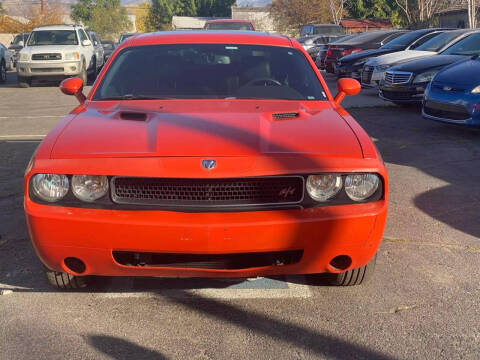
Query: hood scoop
pixel 132 115
pixel 285 115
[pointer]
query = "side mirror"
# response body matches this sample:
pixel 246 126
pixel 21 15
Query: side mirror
pixel 95 43
pixel 73 86
pixel 346 86
pixel 20 43
pixel 86 43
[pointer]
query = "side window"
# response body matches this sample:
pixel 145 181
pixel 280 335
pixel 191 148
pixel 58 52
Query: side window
pixel 423 40
pixel 82 35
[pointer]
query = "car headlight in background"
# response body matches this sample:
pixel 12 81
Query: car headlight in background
pixel 360 187
pixel 72 56
pixel 425 77
pixel 50 187
pixel 476 90
pixel 324 187
pixel 89 187
pixel 24 56
pixel 382 67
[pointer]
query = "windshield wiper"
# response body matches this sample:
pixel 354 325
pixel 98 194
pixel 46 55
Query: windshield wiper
pixel 136 97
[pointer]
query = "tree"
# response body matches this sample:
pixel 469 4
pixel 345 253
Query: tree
pixel 106 17
pixel 141 21
pixel 290 15
pixel 337 9
pixel 185 8
pixel 472 14
pixel 160 14
pixel 420 12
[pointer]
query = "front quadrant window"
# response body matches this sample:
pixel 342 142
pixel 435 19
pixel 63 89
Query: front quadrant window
pixel 210 71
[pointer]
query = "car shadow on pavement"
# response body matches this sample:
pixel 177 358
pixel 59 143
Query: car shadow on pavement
pixel 449 154
pixel 120 349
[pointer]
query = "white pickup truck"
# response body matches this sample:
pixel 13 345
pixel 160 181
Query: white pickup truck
pixel 56 52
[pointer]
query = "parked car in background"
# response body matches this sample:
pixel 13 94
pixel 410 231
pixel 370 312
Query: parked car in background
pixel 108 49
pixel 323 50
pixel 229 24
pixel 453 95
pixel 124 37
pixel 406 83
pixel 352 65
pixel 364 41
pixel 320 45
pixel 375 67
pixel 317 34
pixel 99 55
pixel 17 44
pixel 6 62
pixel 54 52
pixel 252 162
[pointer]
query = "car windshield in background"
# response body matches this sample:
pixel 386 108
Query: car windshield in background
pixel 229 26
pixel 19 38
pixel 401 42
pixel 468 46
pixel 369 36
pixel 438 42
pixel 108 46
pixel 210 71
pixel 328 30
pixel 53 37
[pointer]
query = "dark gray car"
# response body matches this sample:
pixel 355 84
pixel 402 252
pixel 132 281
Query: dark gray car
pixel 17 44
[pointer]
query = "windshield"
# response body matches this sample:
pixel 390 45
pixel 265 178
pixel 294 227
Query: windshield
pixel 468 46
pixel 402 41
pixel 328 30
pixel 107 46
pixel 438 42
pixel 53 37
pixel 210 71
pixel 229 26
pixel 18 38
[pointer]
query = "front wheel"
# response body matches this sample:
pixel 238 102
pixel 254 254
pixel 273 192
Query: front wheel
pixel 354 276
pixel 62 280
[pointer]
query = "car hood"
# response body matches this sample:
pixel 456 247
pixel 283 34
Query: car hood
pixel 211 128
pixel 398 56
pixel 49 49
pixel 465 73
pixel 420 65
pixel 364 54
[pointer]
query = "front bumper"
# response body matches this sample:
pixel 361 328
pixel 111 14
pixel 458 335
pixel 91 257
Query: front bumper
pixel 48 69
pixel 93 234
pixel 402 93
pixel 351 71
pixel 453 107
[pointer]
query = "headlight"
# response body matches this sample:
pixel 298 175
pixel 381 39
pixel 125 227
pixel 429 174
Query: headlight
pixel 50 187
pixel 89 187
pixel 24 56
pixel 360 187
pixel 324 187
pixel 72 56
pixel 382 67
pixel 476 90
pixel 360 62
pixel 425 77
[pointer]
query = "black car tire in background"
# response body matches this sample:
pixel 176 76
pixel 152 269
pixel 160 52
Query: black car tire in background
pixel 24 82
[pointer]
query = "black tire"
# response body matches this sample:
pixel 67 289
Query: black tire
pixel 24 82
pixel 354 276
pixel 3 72
pixel 62 280
pixel 93 73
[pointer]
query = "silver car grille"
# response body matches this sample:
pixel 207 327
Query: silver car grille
pixel 397 77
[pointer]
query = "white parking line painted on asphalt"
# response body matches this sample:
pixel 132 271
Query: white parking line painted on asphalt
pixel 297 289
pixel 21 137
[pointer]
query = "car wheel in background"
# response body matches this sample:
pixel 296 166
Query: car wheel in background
pixel 62 280
pixel 24 82
pixel 3 72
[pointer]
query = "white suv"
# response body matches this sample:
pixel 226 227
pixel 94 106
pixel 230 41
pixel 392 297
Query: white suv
pixel 56 52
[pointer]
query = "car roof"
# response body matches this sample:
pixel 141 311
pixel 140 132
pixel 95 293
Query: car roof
pixel 212 37
pixel 228 21
pixel 57 27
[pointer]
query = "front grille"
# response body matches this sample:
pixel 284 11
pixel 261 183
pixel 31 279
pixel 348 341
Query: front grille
pixel 47 70
pixel 367 74
pixel 208 261
pixel 397 95
pixel 446 110
pixel 397 77
pixel 47 57
pixel 278 190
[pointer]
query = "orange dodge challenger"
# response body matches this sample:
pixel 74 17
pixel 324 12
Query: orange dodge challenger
pixel 207 154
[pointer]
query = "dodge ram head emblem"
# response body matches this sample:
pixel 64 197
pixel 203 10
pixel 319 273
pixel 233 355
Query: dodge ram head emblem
pixel 209 164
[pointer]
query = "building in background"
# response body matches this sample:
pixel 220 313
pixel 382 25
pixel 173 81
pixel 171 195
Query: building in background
pixel 456 16
pixel 259 16
pixel 354 26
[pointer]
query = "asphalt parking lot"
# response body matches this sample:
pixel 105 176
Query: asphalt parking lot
pixel 423 302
